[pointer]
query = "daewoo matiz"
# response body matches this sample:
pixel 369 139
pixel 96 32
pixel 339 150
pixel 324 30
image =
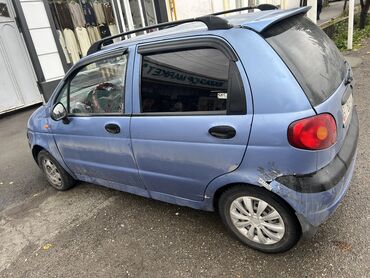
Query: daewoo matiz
pixel 249 115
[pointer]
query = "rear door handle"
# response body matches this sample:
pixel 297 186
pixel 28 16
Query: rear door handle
pixel 222 131
pixel 112 128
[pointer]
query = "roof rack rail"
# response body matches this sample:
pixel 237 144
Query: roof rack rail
pixel 212 21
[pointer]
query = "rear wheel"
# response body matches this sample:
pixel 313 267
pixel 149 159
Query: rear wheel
pixel 259 219
pixel 55 174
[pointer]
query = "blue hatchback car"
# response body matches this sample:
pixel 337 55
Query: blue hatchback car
pixel 250 115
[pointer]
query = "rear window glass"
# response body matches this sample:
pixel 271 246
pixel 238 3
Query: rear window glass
pixel 310 54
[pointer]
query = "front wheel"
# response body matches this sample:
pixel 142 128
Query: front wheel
pixel 259 219
pixel 55 174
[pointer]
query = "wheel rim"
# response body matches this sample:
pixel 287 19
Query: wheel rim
pixel 257 220
pixel 52 172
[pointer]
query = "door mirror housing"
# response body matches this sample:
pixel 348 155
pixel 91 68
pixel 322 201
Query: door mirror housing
pixel 59 112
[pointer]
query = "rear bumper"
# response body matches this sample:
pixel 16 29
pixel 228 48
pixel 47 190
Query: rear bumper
pixel 320 206
pixel 315 196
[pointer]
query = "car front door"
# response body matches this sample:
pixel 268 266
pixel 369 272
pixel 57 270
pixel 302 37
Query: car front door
pixel 190 122
pixel 95 140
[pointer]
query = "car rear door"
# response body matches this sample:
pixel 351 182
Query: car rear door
pixel 191 115
pixel 95 141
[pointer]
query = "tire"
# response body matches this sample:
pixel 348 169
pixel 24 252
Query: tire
pixel 55 174
pixel 283 230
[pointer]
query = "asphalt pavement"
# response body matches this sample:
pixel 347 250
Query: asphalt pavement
pixel 92 231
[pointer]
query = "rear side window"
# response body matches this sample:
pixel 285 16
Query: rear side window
pixel 185 81
pixel 310 54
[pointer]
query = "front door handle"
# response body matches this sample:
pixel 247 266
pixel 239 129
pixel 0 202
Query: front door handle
pixel 222 131
pixel 112 128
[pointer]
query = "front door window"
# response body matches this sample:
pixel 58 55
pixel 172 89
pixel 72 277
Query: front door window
pixel 97 88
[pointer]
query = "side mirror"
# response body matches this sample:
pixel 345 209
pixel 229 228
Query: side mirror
pixel 59 112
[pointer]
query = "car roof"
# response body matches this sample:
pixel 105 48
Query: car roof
pixel 256 21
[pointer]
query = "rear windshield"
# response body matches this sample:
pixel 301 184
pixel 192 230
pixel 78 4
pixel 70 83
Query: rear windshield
pixel 310 54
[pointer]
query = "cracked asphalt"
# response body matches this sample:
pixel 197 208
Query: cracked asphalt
pixel 92 231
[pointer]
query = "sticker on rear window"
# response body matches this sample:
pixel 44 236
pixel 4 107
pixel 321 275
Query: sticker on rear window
pixel 222 95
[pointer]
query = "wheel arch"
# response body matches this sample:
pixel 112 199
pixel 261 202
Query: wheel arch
pixel 222 189
pixel 47 144
pixel 36 149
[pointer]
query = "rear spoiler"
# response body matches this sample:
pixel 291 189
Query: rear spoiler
pixel 272 17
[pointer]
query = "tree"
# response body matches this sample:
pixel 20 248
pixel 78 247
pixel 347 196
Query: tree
pixel 365 5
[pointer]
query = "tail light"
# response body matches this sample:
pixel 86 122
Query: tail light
pixel 313 133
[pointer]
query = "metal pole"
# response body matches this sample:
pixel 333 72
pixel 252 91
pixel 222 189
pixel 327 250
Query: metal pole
pixel 350 23
pixel 312 13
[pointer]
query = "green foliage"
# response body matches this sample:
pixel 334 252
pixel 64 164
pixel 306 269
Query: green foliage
pixel 341 32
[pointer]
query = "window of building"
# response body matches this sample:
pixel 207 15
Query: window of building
pixel 80 23
pixel 97 88
pixel 4 10
pixel 185 81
